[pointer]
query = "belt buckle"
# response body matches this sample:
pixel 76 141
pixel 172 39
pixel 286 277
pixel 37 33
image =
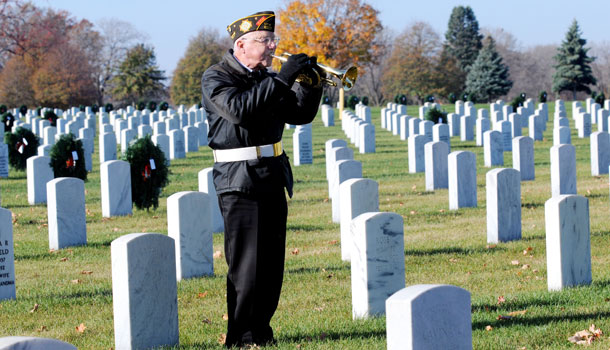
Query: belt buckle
pixel 277 149
pixel 258 152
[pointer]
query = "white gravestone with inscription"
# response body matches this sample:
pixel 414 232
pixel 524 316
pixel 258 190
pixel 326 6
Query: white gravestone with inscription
pixel 600 152
pixel 377 262
pixel 188 223
pixel 568 246
pixel 302 146
pixel 7 256
pixel 417 156
pixel 344 170
pixel 493 149
pixel 144 291
pixel 176 144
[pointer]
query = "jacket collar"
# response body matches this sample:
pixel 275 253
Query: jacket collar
pixel 231 61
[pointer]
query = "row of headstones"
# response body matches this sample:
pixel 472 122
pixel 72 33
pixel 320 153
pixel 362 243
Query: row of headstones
pixel 359 129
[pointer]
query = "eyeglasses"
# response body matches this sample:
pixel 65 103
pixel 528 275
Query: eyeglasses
pixel 267 41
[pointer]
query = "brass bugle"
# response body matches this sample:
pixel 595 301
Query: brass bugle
pixel 346 76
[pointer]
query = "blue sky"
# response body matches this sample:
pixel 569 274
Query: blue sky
pixel 170 24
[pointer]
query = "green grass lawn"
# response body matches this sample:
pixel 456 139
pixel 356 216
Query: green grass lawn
pixel 73 286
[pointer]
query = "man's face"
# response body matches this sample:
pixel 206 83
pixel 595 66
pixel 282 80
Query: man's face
pixel 255 49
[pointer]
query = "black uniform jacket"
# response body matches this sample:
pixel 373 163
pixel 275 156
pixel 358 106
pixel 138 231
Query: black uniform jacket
pixel 249 109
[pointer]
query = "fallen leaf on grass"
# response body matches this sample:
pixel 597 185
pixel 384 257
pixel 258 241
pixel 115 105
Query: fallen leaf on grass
pixel 514 262
pixel 42 329
pixel 525 266
pixel 206 321
pixel 202 295
pixel 334 241
pixel 225 317
pixel 75 281
pixel 86 272
pixel 63 259
pixel 488 328
pixel 34 309
pixel 116 229
pixel 453 260
pixel 526 251
pixel 325 200
pixel 586 337
pixel 217 254
pixel 491 246
pixel 501 299
pixel 413 212
pixel 222 339
pixel 81 328
pixel 295 251
pixel 517 313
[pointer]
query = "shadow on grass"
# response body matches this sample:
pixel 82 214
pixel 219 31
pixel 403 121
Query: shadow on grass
pixel 332 335
pixel 304 227
pixel 533 205
pixel 542 320
pixel 541 237
pixel 82 295
pixel 303 270
pixel 452 250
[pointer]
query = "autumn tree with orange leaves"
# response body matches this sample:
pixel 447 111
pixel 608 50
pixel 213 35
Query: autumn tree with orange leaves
pixel 340 33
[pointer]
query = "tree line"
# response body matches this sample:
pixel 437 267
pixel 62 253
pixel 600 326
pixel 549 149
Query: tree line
pixel 49 58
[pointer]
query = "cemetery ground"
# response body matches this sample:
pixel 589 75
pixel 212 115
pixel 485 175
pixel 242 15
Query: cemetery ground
pixel 67 294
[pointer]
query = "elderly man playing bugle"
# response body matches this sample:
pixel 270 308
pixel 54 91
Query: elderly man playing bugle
pixel 247 107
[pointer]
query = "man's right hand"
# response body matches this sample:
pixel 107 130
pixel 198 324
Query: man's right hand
pixel 293 66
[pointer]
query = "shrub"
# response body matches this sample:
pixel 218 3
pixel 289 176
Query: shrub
pixel 22 144
pixel 365 100
pixel 109 107
pixel 68 158
pixel 23 110
pixel 164 106
pixel 149 172
pixel 141 105
pixel 8 120
pixel 600 98
pixel 325 100
pixel 401 99
pixel 95 108
pixel 518 102
pixel 452 98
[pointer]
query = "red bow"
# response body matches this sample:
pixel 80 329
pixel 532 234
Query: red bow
pixel 146 173
pixel 19 145
pixel 70 162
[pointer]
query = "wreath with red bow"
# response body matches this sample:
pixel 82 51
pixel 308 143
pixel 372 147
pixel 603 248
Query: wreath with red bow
pixel 22 144
pixel 68 158
pixel 149 172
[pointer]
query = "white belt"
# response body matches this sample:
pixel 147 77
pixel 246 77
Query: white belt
pixel 247 153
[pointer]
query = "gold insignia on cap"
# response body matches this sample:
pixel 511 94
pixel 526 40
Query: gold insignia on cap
pixel 245 26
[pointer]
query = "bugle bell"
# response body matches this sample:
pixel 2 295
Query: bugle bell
pixel 346 76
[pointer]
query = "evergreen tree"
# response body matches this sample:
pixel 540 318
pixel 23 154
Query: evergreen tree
pixel 463 40
pixel 572 71
pixel 139 76
pixel 488 77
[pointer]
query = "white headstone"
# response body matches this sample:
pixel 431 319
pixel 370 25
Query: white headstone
pixel 206 185
pixel 191 138
pixel 162 141
pixel 144 291
pixel 453 120
pixel 493 149
pixel 436 163
pixel 367 138
pixel 336 154
pixel 66 212
pixel 189 224
pixel 440 132
pixel 33 343
pixel 344 170
pixel 417 153
pixel 523 157
pixel 127 135
pixel 3 160
pixel 483 125
pixel 39 172
pixel 116 188
pixel 503 190
pixel 144 130
pixel 568 247
pixel 357 196
pixel 107 147
pixel 377 262
pixel 7 256
pixel 562 135
pixel 563 170
pixel 429 317
pixel 600 152
pixel 302 146
pixel 176 144
pixel 462 180
pixel 203 133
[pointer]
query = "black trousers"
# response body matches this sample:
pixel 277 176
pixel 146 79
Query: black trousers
pixel 255 243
